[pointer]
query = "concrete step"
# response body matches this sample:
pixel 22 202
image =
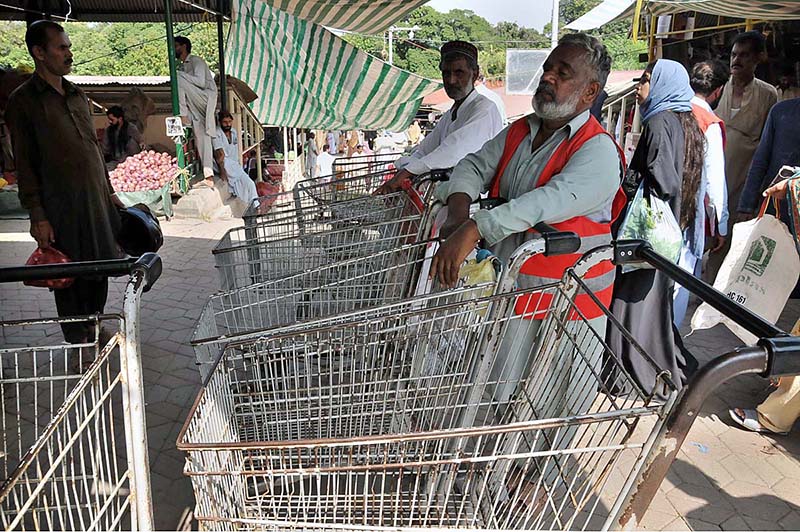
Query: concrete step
pixel 210 204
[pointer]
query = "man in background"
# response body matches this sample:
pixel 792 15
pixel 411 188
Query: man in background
pixel 121 138
pixel 226 157
pixel 779 146
pixel 414 133
pixel 325 162
pixel 331 139
pixel 197 93
pixel 743 108
pixel 62 177
pixel 471 121
pixel 787 88
pixel 311 153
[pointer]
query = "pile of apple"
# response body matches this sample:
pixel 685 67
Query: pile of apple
pixel 147 170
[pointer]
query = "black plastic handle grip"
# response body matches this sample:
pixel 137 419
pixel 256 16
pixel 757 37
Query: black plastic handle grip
pixel 557 242
pixel 440 174
pixel 150 263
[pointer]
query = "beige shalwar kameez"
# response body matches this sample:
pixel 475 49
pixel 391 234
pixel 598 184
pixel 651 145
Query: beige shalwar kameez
pixel 743 128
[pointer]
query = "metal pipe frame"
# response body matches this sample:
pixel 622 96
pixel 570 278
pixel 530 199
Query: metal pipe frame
pixel 741 362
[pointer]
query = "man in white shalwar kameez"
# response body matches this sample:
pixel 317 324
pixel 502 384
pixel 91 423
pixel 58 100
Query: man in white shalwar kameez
pixel 463 129
pixel 197 94
pixel 226 160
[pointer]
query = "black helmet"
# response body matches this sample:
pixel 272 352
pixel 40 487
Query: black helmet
pixel 139 231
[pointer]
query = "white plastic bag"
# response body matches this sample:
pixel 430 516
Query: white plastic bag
pixel 759 273
pixel 651 219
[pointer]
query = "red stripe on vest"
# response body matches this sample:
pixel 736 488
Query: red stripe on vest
pixel 535 306
pixel 705 118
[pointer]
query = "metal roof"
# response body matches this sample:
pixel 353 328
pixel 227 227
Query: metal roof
pixel 119 80
pixel 112 10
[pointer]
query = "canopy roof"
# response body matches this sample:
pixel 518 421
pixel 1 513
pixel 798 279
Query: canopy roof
pixel 363 16
pixel 308 77
pixel 611 10
pixel 110 10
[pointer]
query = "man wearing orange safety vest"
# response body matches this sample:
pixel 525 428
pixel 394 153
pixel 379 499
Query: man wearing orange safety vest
pixel 559 166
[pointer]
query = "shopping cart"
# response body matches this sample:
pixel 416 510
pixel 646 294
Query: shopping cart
pixel 74 450
pixel 314 191
pixel 418 414
pixel 345 167
pixel 330 190
pixel 328 290
pixel 308 237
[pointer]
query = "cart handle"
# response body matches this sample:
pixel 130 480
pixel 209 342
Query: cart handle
pixel 556 242
pixel 783 349
pixel 149 264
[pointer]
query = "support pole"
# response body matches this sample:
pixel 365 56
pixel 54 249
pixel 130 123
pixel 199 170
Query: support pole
pixel 173 83
pixel 554 26
pixel 223 89
pixel 651 39
pixel 391 46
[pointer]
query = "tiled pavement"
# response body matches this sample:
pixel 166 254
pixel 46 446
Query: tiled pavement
pixel 724 478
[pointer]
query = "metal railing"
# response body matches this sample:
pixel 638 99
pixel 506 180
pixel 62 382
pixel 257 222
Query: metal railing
pixel 251 132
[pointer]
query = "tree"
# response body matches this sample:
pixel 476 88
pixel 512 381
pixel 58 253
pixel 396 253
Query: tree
pixel 119 49
pixel 624 52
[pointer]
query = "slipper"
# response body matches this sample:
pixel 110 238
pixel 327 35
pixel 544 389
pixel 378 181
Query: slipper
pixel 750 421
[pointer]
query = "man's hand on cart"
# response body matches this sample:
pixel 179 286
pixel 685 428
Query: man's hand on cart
pixel 396 183
pixel 457 213
pixel 448 260
pixel 43 233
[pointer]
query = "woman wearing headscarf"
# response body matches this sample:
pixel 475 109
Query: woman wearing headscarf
pixel 668 161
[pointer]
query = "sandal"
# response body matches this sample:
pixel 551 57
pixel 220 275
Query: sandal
pixel 748 419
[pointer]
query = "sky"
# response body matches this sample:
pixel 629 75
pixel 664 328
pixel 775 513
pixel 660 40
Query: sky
pixel 527 13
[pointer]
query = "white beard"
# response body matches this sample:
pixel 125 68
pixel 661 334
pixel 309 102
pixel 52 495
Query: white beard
pixel 555 110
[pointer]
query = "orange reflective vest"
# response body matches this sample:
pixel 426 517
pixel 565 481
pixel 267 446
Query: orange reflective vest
pixel 540 270
pixel 705 118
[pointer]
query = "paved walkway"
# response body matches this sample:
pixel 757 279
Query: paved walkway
pixel 724 478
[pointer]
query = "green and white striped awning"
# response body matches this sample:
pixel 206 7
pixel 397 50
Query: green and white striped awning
pixel 307 77
pixel 360 16
pixel 613 10
pixel 754 9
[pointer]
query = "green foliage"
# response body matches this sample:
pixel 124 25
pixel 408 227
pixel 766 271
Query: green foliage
pixel 421 55
pixel 624 52
pixel 12 45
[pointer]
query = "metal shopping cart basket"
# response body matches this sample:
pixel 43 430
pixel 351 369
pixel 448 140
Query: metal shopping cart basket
pixel 74 454
pixel 412 415
pixel 309 237
pixel 315 191
pixel 327 290
pixel 331 190
pixel 345 167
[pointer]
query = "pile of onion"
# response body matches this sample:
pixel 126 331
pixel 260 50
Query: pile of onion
pixel 147 170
